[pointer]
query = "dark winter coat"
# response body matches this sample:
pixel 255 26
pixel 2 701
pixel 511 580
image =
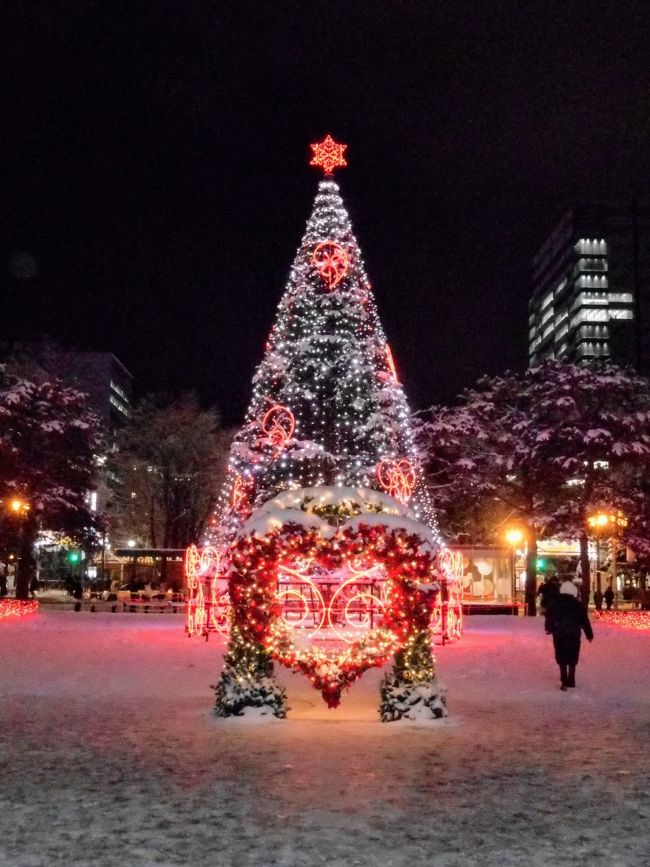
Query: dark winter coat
pixel 548 593
pixel 566 619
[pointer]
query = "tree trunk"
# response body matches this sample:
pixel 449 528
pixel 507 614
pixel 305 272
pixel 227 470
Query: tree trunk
pixel 26 566
pixel 531 575
pixel 585 571
pixel 152 523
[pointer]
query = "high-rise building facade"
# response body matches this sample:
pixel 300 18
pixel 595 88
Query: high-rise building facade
pixel 591 288
pixel 108 385
pixel 105 380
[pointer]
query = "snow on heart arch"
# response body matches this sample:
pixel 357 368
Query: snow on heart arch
pixel 331 582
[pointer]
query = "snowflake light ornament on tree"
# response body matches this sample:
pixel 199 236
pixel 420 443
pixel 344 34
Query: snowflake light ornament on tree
pixel 328 155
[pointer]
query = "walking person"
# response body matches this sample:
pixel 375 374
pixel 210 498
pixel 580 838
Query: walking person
pixel 598 599
pixel 608 596
pixel 567 619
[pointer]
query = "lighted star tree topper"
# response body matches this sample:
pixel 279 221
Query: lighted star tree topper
pixel 328 155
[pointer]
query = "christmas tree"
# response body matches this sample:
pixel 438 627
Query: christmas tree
pixel 327 406
pixel 326 529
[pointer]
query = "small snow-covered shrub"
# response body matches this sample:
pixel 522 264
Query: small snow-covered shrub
pixel 237 692
pixel 401 700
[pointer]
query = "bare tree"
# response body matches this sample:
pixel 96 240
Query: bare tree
pixel 170 464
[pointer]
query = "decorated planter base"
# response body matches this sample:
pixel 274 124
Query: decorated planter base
pixel 331 582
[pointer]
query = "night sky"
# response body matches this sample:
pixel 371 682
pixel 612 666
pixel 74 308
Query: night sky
pixel 155 180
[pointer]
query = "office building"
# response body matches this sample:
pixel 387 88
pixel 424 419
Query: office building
pixel 105 380
pixel 591 288
pixel 108 385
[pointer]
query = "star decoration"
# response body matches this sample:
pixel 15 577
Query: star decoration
pixel 328 155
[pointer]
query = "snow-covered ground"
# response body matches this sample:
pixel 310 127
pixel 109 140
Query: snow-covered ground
pixel 110 755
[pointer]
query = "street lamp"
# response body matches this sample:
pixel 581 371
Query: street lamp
pixel 18 506
pixel 20 509
pixel 604 524
pixel 514 536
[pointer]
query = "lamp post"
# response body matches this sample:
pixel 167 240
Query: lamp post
pixel 20 508
pixel 514 536
pixel 606 524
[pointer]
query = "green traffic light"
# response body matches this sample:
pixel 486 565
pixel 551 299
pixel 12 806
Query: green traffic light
pixel 73 556
pixel 541 563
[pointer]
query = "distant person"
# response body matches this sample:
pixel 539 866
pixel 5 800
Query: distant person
pixel 598 599
pixel 578 583
pixel 608 596
pixel 567 619
pixel 33 587
pixel 548 592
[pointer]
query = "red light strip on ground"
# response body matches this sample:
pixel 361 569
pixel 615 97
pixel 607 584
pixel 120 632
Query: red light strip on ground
pixel 17 608
pixel 627 619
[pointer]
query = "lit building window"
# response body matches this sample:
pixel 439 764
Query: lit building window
pixel 116 388
pixel 596 246
pixel 589 316
pixel 120 406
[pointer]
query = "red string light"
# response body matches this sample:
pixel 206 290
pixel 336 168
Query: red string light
pixel 242 494
pixel 391 363
pixel 208 605
pixel 397 478
pixel 451 564
pixel 332 262
pixel 447 618
pixel 328 155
